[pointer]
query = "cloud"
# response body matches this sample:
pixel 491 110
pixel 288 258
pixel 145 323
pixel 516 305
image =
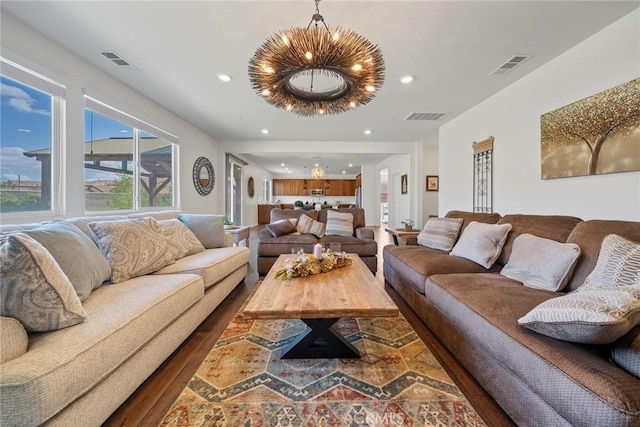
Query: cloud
pixel 20 100
pixel 15 163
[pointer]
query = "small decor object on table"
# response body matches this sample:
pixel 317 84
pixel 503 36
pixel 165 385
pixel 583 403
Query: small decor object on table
pixel 306 265
pixel 228 223
pixel 408 224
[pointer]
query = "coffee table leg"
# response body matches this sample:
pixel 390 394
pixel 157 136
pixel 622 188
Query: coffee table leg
pixel 322 341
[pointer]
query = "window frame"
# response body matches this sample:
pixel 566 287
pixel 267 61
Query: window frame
pixel 57 91
pixel 92 103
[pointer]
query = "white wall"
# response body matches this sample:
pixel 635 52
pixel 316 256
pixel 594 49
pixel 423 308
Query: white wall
pixel 28 47
pixel 430 167
pixel 400 205
pixel 512 116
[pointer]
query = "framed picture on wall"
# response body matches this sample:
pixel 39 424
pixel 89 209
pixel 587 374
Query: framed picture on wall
pixel 403 184
pixel 432 183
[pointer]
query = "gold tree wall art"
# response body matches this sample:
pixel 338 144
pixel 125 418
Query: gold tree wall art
pixel 596 135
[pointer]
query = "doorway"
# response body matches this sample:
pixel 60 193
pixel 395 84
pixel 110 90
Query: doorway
pixel 234 172
pixel 384 196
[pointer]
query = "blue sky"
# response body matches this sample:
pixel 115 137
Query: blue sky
pixel 25 125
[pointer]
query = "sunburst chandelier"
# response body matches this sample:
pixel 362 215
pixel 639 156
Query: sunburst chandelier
pixel 317 172
pixel 315 71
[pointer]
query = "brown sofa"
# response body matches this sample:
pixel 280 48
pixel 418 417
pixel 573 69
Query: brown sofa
pixel 362 242
pixel 537 380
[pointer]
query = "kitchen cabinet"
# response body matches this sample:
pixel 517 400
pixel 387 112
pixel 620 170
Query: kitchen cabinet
pixel 302 187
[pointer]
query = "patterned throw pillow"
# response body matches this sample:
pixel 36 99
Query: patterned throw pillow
pixel 598 316
pixel 541 263
pixel 308 225
pixel 76 254
pixel 481 243
pixel 34 290
pixel 618 264
pixel 209 229
pixel 133 247
pixel 440 233
pixel 339 224
pixel 182 242
pixel 604 308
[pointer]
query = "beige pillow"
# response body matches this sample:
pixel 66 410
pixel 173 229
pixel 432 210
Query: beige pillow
pixel 308 225
pixel 14 339
pixel 182 242
pixel 618 264
pixel 541 263
pixel 34 289
pixel 133 247
pixel 339 224
pixel 440 233
pixel 481 243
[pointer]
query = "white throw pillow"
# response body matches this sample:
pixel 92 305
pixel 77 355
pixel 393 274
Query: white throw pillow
pixel 440 233
pixel 339 224
pixel 133 247
pixel 618 264
pixel 481 243
pixel 541 263
pixel 308 225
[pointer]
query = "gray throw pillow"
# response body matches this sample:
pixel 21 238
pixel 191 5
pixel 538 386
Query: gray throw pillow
pixel 481 243
pixel 209 229
pixel 281 228
pixel 440 233
pixel 76 254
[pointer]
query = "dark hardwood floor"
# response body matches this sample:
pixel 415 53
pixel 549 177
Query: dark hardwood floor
pixel 148 405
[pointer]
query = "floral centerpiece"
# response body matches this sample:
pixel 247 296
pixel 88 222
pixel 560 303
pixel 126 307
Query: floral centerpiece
pixel 306 265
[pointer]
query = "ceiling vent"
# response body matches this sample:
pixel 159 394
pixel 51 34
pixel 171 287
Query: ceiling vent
pixel 510 64
pixel 118 60
pixel 425 116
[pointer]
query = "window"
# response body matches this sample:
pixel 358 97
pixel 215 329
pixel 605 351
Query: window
pixel 128 164
pixel 31 125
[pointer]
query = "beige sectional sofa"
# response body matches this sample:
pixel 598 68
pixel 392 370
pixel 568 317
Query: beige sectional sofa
pixel 539 377
pixel 81 374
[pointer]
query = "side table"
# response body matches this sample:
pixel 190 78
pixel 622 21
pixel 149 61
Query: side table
pixel 399 232
pixel 239 234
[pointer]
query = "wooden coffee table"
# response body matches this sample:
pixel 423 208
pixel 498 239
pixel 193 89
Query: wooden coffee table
pixel 319 301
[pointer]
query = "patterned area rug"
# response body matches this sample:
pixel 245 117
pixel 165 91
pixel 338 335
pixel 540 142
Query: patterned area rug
pixel 397 382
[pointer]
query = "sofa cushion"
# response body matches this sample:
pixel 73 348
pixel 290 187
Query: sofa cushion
pixel 339 224
pixel 541 263
pixel 76 254
pixel 277 214
pixel 209 229
pixel 481 243
pixel 618 265
pixel 358 215
pixel 417 263
pixel 589 236
pixel 485 308
pixel 275 246
pixel 467 217
pixel 352 245
pixel 440 233
pixel 33 289
pixel 181 240
pixel 306 225
pixel 281 227
pixel 593 316
pixel 82 222
pixel 213 265
pixel 626 352
pixel 553 227
pixel 133 247
pixel 14 339
pixel 121 320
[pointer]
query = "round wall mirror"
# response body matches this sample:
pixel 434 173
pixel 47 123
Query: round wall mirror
pixel 250 187
pixel 204 177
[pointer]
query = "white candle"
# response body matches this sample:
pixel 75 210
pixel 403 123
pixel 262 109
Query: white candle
pixel 317 251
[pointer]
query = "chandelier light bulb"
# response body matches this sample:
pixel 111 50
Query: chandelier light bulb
pixel 356 67
pixel 308 55
pixel 370 88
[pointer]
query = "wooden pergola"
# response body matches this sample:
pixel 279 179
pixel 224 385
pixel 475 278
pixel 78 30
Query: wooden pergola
pixel 114 155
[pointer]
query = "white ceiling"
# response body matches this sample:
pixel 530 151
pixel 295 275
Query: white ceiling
pixel 450 47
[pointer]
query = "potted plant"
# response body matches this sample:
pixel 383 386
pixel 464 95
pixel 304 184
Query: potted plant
pixel 408 224
pixel 227 223
pixel 297 205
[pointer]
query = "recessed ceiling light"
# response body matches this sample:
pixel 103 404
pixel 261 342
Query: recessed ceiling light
pixel 350 165
pixel 344 172
pixel 224 77
pixel 282 164
pixel 406 79
pixel 367 132
pixel 265 131
pixel 289 171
